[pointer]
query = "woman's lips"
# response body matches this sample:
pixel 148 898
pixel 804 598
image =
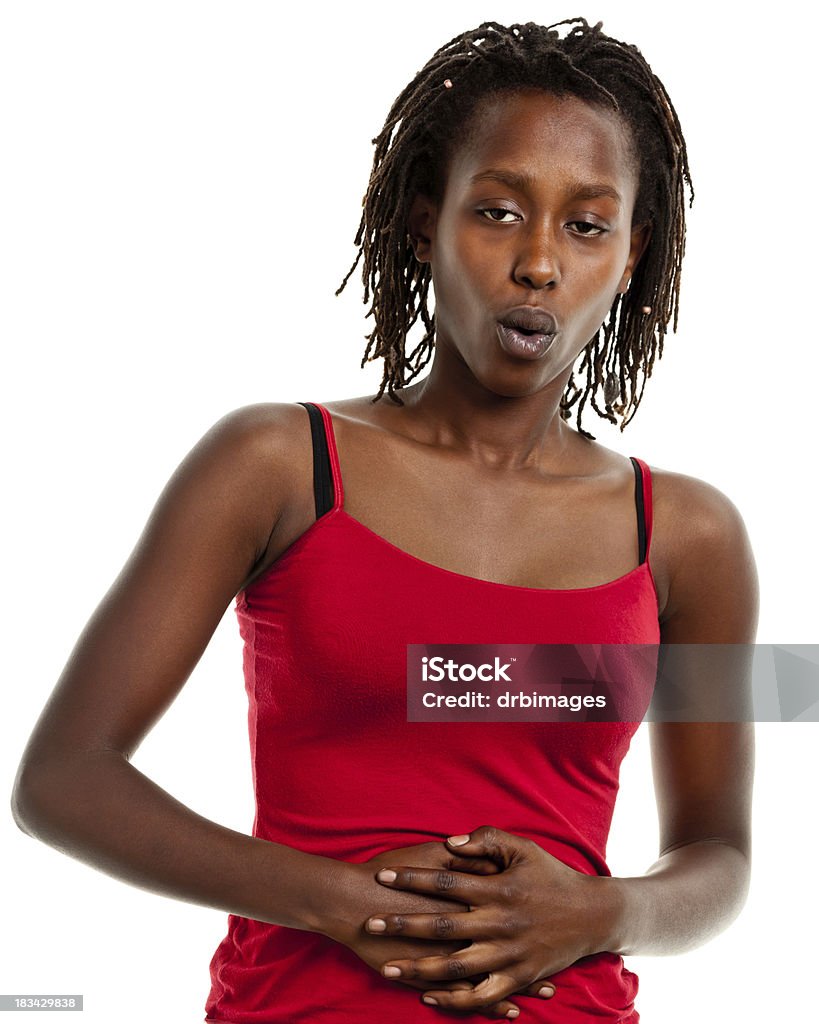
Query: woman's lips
pixel 524 346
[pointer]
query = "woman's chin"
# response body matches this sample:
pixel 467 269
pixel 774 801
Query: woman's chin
pixel 513 385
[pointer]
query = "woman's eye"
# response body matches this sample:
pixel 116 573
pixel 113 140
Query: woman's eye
pixel 586 228
pixel 498 213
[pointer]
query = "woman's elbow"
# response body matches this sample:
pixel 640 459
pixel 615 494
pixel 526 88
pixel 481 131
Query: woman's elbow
pixel 35 798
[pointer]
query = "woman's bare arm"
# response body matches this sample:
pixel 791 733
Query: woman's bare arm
pixel 75 787
pixel 703 772
pixel 223 512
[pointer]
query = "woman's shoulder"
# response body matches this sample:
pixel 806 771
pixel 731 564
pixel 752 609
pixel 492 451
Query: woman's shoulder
pixel 277 435
pixel 265 425
pixel 274 425
pixel 252 454
pixel 700 542
pixel 267 438
pixel 692 504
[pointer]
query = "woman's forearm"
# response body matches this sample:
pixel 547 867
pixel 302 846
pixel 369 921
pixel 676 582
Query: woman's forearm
pixel 685 898
pixel 102 810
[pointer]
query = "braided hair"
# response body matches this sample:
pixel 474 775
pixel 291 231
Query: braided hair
pixel 425 125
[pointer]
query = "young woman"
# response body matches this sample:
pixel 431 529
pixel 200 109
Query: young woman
pixel 535 178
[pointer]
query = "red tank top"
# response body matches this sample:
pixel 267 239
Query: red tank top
pixel 325 632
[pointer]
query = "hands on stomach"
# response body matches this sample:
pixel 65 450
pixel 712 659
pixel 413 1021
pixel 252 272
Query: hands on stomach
pixel 499 915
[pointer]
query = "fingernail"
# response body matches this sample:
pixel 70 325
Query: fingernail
pixel 546 992
pixel 430 1001
pixel 458 840
pixel 376 924
pixel 511 1014
pixel 387 875
pixel 392 972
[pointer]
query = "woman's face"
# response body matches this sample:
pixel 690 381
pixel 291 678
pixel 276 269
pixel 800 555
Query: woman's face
pixel 533 234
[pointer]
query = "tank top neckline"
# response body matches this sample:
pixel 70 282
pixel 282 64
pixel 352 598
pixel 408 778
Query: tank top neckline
pixel 402 553
pixel 338 511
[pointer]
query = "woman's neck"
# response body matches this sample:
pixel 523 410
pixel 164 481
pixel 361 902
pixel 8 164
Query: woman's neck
pixel 498 431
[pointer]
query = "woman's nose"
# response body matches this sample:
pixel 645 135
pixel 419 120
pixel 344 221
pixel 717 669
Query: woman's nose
pixel 536 265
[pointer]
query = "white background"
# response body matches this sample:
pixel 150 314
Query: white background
pixel 180 185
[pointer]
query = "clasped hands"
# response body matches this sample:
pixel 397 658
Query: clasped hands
pixel 520 916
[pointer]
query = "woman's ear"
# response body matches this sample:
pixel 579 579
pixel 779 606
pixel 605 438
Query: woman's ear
pixel 640 237
pixel 421 221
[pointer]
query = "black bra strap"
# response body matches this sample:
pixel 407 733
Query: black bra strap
pixel 322 472
pixel 641 509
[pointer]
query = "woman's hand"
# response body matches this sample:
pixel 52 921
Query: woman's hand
pixel 531 920
pixel 363 896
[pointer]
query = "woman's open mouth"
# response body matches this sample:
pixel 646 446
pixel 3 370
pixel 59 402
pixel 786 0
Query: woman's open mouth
pixel 523 342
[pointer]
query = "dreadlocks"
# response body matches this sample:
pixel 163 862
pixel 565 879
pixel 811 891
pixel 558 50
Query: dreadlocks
pixel 428 121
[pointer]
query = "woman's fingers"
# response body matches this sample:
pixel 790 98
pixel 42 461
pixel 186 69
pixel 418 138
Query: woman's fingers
pixel 454 885
pixel 491 992
pixel 442 926
pixel 473 865
pixel 503 1010
pixel 479 958
pixel 503 848
pixel 542 989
